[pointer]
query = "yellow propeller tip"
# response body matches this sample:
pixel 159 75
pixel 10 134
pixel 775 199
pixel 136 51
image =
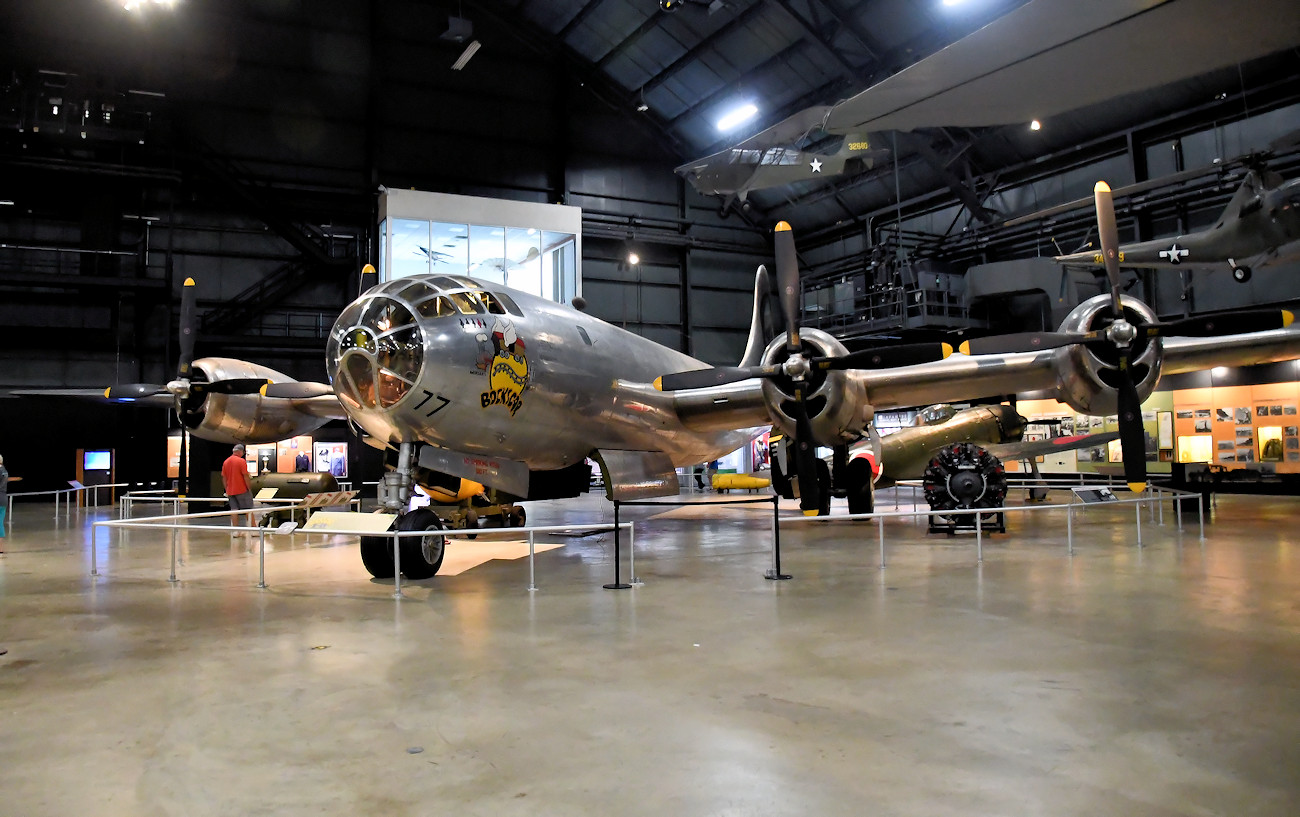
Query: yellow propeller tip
pixel 107 390
pixel 947 349
pixel 810 513
pixel 964 348
pixel 368 269
pixel 783 226
pixel 1101 187
pixel 189 282
pixel 1137 487
pixel 1287 317
pixel 659 384
pixel 262 391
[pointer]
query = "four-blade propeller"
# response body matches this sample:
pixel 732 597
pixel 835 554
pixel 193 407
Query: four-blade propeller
pixel 798 367
pixel 1122 335
pixel 184 386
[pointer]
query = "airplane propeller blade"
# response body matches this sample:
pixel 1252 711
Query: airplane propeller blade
pixel 234 385
pixel 1028 342
pixel 1132 437
pixel 188 310
pixel 806 457
pixel 1208 326
pixel 787 280
pixel 295 390
pixel 888 357
pixel 718 376
pixel 133 391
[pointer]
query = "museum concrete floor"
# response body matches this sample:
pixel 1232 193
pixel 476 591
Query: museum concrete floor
pixel 1161 681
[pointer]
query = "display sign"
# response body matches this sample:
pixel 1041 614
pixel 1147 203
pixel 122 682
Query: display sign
pixel 267 493
pixel 323 521
pixel 1095 494
pixel 97 461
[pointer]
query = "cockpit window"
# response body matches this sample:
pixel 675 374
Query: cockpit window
pixel 466 302
pixel 376 349
pixel 491 303
pixel 416 292
pixel 384 314
pixel 439 307
pixel 443 282
pixel 509 304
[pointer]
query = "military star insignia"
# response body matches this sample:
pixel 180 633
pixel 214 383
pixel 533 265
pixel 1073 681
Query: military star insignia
pixel 1175 254
pixel 816 165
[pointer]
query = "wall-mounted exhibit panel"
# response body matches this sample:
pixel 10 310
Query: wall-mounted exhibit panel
pixel 535 248
pixel 1244 424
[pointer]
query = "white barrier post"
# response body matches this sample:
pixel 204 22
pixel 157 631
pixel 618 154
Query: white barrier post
pixel 1200 512
pixel 172 577
pixel 94 553
pixel 397 565
pixel 1069 528
pixel 979 537
pixel 261 557
pixel 880 527
pixel 1137 506
pixel 532 573
pixel 631 552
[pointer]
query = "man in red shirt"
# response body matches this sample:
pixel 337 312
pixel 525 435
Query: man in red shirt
pixel 234 475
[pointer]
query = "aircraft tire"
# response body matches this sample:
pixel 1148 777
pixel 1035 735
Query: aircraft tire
pixel 858 478
pixel 1241 274
pixel 377 556
pixel 421 557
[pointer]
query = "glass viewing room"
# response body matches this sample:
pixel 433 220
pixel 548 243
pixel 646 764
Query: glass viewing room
pixel 534 248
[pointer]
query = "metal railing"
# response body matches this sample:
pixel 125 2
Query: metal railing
pixel 1152 498
pixel 179 522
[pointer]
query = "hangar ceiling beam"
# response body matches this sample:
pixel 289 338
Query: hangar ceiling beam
pixel 704 46
pixel 812 32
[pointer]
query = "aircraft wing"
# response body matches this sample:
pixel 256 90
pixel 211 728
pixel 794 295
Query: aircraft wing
pixel 1028 449
pixel 156 400
pixel 1052 56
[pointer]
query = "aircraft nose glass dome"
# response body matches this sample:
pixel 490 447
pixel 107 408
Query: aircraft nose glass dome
pixel 375 352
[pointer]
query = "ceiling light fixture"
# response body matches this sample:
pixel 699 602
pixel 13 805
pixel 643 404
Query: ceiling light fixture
pixel 470 51
pixel 738 117
pixel 1035 125
pixel 633 259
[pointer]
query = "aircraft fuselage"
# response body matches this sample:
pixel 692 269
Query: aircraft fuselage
pixel 486 370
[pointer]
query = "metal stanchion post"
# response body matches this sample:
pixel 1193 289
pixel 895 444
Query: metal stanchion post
pixel 1069 529
pixel 1179 499
pixel 775 573
pixel 94 552
pixel 56 506
pixel 261 557
pixel 172 577
pixel 1161 506
pixel 397 566
pixel 618 583
pixel 880 529
pixel 1138 507
pixel 979 537
pixel 1200 513
pixel 532 573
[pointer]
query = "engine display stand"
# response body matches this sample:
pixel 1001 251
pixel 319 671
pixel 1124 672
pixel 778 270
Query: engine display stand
pixel 952 525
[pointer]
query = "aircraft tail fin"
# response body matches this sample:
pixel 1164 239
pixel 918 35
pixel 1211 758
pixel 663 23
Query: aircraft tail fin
pixel 757 337
pixel 857 147
pixel 1248 198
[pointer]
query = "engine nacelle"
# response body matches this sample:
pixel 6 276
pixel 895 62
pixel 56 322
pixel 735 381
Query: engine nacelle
pixel 836 400
pixel 1088 377
pixel 242 418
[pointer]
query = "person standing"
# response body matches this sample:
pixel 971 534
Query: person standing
pixel 234 475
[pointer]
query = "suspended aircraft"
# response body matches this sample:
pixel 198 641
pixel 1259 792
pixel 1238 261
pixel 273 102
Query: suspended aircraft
pixel 1260 225
pixel 458 379
pixel 756 164
pixel 1042 59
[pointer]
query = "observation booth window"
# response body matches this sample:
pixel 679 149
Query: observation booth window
pixel 530 247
